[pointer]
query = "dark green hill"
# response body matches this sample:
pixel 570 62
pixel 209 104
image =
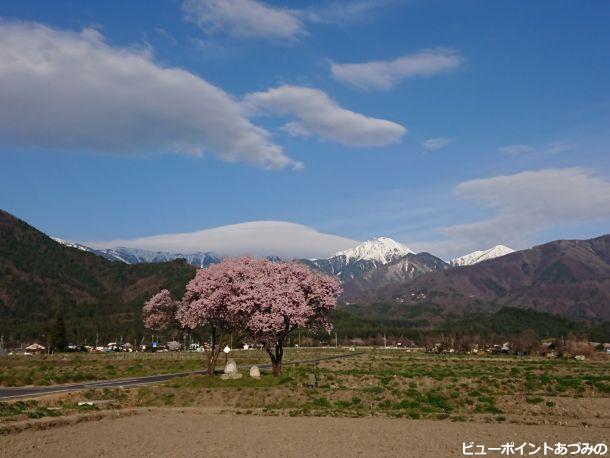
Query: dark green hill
pixel 38 276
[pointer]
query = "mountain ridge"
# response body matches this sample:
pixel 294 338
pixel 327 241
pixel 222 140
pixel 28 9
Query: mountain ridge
pixel 554 277
pixel 403 269
pixel 368 255
pixel 564 277
pixel 480 256
pixel 128 255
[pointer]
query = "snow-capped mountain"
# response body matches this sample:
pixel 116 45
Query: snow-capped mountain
pixel 354 262
pixel 381 250
pixel 401 270
pixel 80 246
pixel 479 256
pixel 136 256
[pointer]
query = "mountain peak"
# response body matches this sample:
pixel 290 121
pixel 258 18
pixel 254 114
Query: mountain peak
pixel 379 249
pixel 479 256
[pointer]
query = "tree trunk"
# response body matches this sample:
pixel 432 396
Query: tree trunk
pixel 214 353
pixel 277 369
pixel 212 359
pixel 276 357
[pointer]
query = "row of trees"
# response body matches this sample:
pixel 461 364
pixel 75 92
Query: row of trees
pixel 250 299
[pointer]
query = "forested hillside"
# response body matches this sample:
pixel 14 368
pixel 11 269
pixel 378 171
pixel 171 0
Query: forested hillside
pixel 39 277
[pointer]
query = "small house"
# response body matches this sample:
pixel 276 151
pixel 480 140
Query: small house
pixel 34 348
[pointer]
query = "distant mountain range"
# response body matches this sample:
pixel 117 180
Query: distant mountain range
pixel 347 265
pixel 138 256
pixel 381 278
pixel 564 277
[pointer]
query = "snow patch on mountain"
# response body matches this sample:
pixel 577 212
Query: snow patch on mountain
pixel 380 250
pixel 137 256
pixel 73 244
pixel 480 256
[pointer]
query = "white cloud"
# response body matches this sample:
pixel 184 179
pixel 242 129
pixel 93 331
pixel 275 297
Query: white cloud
pixel 346 12
pixel 256 19
pixel 258 238
pixel 62 90
pixel 385 74
pixel 522 150
pixel 434 144
pixel 245 18
pixel 516 150
pixel 531 201
pixel 521 207
pixel 320 115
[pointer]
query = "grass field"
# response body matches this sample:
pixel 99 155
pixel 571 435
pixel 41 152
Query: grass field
pixel 389 383
pixel 44 370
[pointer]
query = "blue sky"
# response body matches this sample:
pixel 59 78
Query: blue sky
pixel 455 126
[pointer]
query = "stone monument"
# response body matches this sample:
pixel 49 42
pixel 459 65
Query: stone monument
pixel 231 372
pixel 255 372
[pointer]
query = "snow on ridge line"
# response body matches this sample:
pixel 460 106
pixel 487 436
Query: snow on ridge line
pixel 72 244
pixel 138 255
pixel 480 256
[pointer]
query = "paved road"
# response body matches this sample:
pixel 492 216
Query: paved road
pixel 32 391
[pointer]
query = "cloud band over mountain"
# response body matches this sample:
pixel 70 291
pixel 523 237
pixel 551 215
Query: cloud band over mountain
pixel 257 238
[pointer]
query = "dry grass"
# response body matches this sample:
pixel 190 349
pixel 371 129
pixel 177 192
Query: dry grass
pixel 387 383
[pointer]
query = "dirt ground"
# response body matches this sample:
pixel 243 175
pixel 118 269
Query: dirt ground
pixel 202 432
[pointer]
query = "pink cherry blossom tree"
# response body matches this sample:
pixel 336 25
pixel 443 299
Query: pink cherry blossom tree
pixel 159 311
pixel 210 300
pixel 277 298
pixel 255 297
pixel 203 304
